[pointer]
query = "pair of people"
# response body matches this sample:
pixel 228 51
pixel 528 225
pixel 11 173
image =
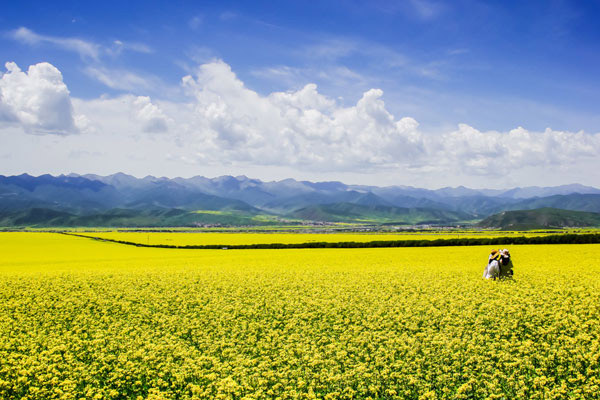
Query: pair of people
pixel 499 265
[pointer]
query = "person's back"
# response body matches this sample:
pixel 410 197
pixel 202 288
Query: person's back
pixel 492 270
pixel 505 265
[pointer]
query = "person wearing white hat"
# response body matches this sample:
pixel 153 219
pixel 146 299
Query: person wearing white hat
pixel 505 264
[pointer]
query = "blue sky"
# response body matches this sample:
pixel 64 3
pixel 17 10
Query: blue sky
pixel 466 72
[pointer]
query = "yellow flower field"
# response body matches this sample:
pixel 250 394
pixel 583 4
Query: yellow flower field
pixel 203 238
pixel 97 320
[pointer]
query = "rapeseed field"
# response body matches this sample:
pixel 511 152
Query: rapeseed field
pixel 97 320
pixel 203 238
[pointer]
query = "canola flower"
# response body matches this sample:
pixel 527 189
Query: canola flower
pixel 87 319
pixel 203 238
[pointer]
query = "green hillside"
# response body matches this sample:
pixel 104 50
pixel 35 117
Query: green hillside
pixel 349 212
pixel 42 217
pixel 540 219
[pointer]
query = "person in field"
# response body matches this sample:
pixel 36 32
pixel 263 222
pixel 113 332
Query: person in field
pixel 506 265
pixel 499 265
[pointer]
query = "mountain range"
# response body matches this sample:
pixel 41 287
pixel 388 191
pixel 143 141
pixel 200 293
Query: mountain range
pixel 124 200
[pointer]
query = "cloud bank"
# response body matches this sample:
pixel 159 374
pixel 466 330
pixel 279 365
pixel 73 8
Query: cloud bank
pixel 302 128
pixel 223 123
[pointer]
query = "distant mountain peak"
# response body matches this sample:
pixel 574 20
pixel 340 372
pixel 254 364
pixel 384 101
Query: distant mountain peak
pixel 121 175
pixel 91 193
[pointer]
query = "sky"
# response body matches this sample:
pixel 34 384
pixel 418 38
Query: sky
pixel 425 93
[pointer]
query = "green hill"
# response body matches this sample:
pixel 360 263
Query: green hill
pixel 540 218
pixel 43 217
pixel 349 212
pixel 573 201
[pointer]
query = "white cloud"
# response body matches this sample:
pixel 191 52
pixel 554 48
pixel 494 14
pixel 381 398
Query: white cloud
pixel 119 46
pixel 349 64
pixel 225 126
pixel 334 50
pixel 125 115
pixel 122 79
pixel 201 55
pixel 499 153
pixel 305 129
pixel 149 115
pixel 93 54
pixel 84 48
pixel 38 100
pixel 336 76
pixel 302 128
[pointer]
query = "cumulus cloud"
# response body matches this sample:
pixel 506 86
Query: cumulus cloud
pixel 149 115
pixel 125 115
pixel 224 124
pixel 302 128
pixel 230 123
pixel 38 100
pixel 498 153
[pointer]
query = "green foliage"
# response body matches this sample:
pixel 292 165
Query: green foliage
pixel 41 217
pixel 542 218
pixel 348 212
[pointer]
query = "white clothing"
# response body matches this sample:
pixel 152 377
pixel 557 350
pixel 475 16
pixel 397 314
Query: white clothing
pixel 492 271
